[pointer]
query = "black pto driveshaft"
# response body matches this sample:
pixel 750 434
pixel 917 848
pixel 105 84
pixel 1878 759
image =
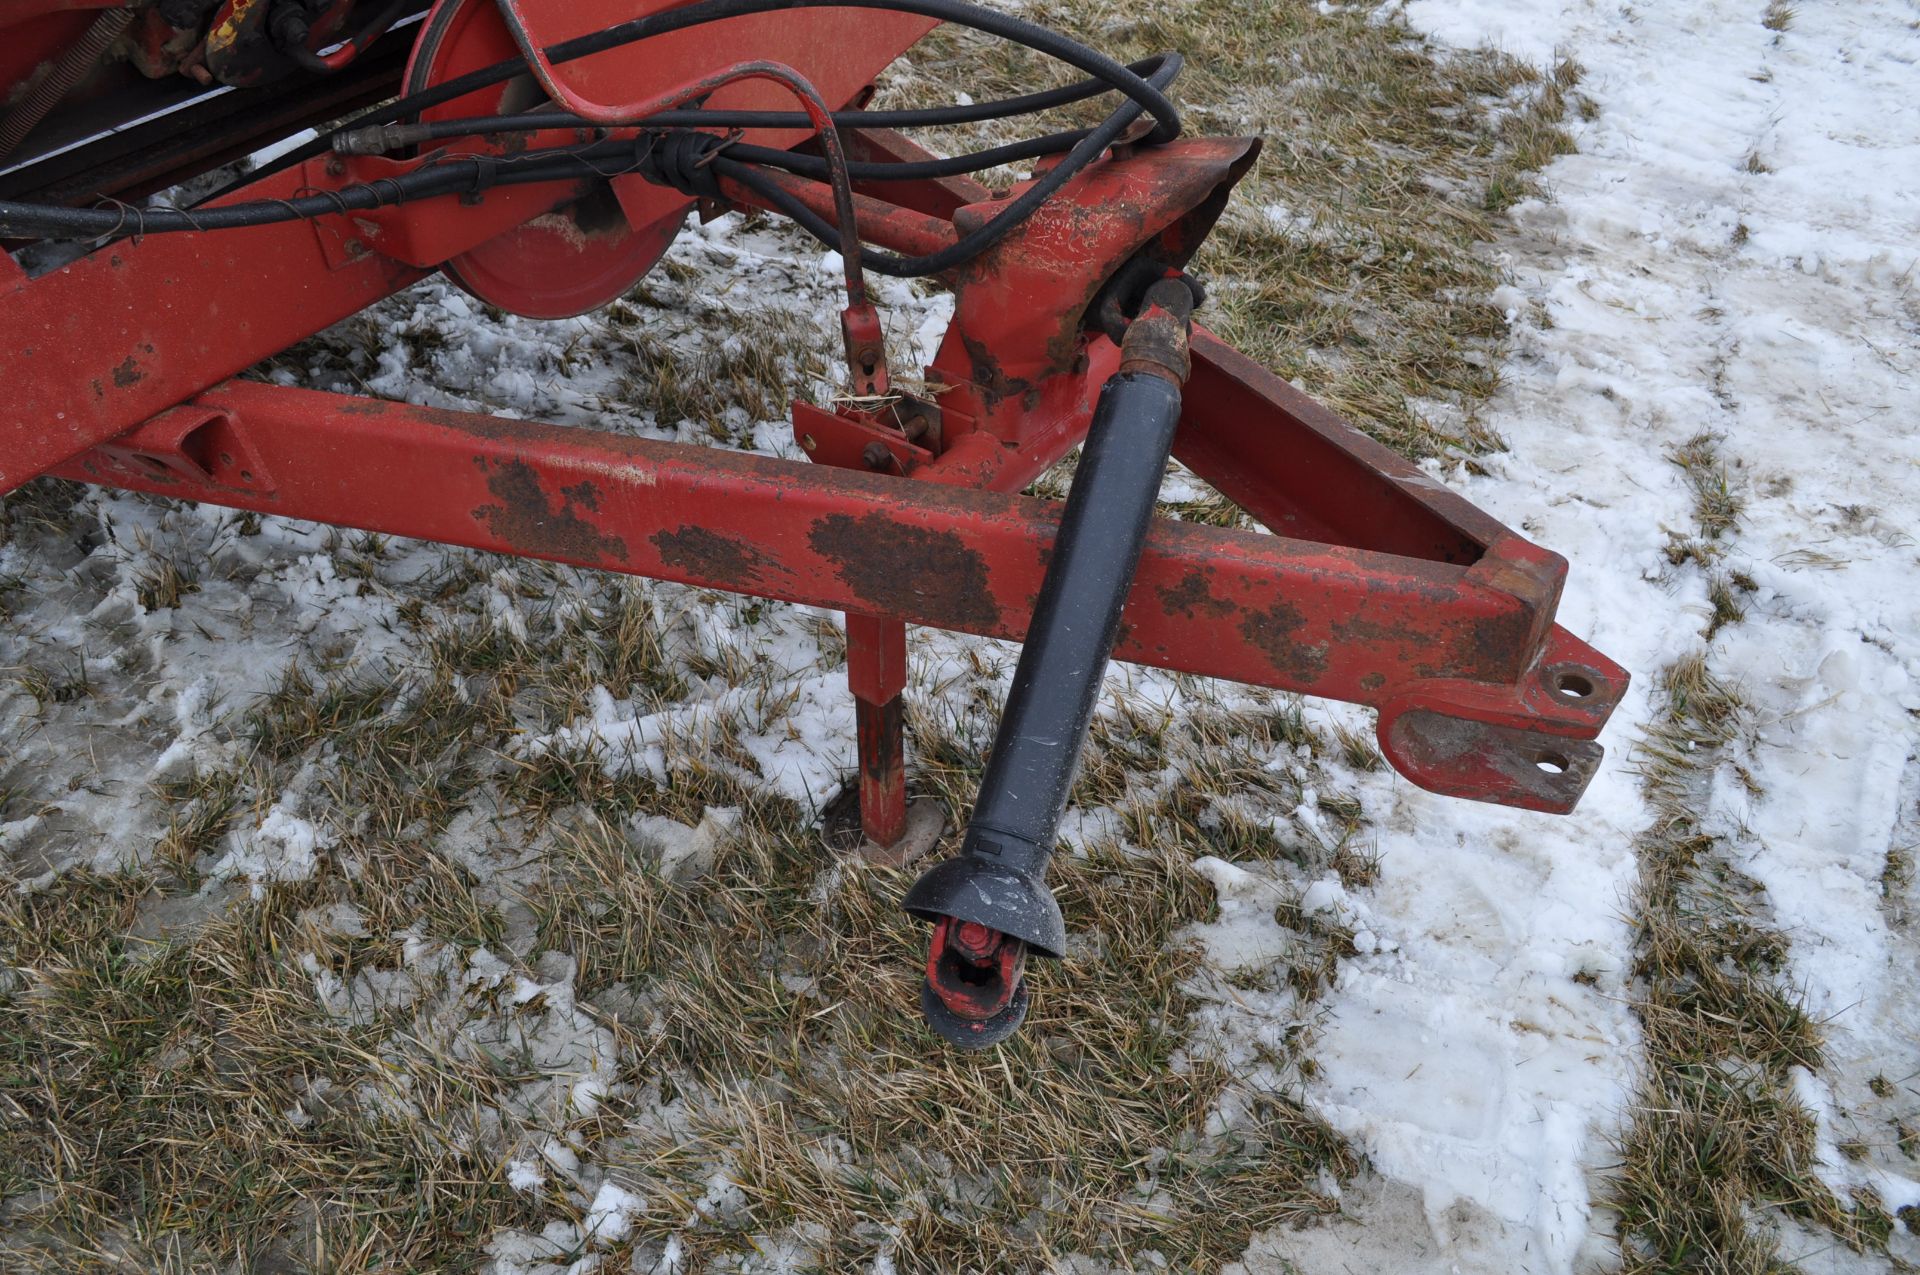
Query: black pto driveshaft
pixel 990 906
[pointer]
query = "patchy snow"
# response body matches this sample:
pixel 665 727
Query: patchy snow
pixel 1733 251
pixel 686 854
pixel 284 847
pixel 610 1217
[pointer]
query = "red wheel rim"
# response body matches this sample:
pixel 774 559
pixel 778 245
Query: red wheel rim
pixel 566 263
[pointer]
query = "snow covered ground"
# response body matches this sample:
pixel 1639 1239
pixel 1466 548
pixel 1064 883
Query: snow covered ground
pixel 1734 252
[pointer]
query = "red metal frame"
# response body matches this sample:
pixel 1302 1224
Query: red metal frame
pixel 1378 586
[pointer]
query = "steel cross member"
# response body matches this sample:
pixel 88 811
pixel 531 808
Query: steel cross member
pixel 1480 695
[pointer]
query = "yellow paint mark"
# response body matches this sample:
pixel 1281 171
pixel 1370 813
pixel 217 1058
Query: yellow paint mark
pixel 222 37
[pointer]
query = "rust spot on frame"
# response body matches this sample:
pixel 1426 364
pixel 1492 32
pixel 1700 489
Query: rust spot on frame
pixel 1191 598
pixel 908 571
pixel 1275 631
pixel 709 557
pixel 532 523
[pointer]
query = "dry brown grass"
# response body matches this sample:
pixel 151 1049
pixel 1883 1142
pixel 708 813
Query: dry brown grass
pixel 146 1089
pixel 1717 1142
pixel 1717 508
pixel 1349 260
pixel 149 1080
pixel 147 1069
pixel 834 1109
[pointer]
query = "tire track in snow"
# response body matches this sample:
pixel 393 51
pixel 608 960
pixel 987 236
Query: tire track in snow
pixel 1675 287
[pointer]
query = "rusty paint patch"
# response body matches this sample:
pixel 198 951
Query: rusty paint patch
pixel 583 494
pixel 528 521
pixel 908 571
pixel 708 556
pixel 1502 645
pixel 880 727
pixel 1191 599
pixel 128 374
pixel 993 385
pixel 1274 631
pixel 1488 649
pixel 1488 762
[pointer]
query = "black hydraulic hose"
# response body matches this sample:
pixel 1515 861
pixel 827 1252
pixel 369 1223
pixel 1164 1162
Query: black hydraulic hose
pixel 453 176
pixel 957 12
pixel 383 138
pixel 448 176
pixel 1091 144
pixel 31 220
pixel 1104 70
pixel 971 245
pixel 1143 95
pixel 918 117
pixel 909 170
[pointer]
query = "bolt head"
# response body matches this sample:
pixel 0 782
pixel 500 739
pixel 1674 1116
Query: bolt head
pixel 973 938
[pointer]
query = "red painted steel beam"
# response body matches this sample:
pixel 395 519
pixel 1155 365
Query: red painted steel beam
pixel 1303 471
pixel 1414 636
pixel 889 225
pixel 95 347
pixel 100 345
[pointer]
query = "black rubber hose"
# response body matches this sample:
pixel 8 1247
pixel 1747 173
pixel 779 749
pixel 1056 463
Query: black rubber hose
pixel 919 117
pixel 1102 68
pixel 1085 151
pixel 814 166
pixel 957 12
pixel 600 160
pixel 90 222
pixel 912 169
pixel 603 159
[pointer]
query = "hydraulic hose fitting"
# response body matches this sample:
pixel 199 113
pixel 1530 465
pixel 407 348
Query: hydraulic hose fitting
pixel 380 139
pixel 1156 341
pixel 290 27
pixel 990 906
